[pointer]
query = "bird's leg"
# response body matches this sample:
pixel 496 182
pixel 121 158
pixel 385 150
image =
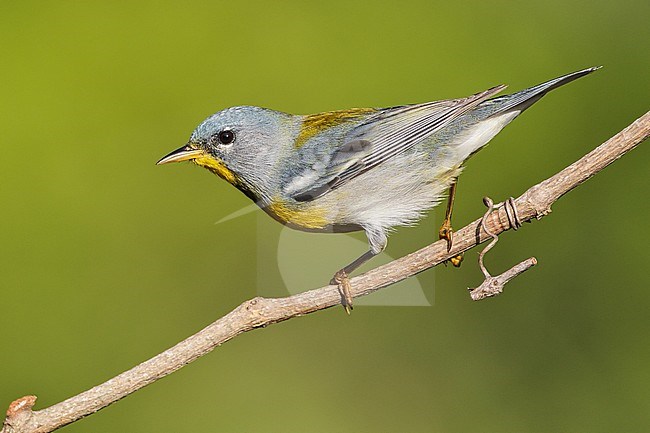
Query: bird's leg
pixel 341 279
pixel 446 232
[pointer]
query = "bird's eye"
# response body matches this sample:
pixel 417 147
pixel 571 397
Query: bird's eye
pixel 226 136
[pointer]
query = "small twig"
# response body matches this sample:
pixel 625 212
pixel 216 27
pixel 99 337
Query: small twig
pixel 493 286
pixel 490 207
pixel 259 312
pixel 19 413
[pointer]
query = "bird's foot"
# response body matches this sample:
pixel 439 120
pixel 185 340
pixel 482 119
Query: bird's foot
pixel 447 233
pixel 457 260
pixel 341 279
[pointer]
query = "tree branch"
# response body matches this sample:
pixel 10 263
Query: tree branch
pixel 259 312
pixel 493 286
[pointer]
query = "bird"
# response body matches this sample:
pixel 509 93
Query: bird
pixel 358 169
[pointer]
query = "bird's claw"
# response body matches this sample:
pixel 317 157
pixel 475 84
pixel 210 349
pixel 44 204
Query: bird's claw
pixel 341 279
pixel 457 260
pixel 447 233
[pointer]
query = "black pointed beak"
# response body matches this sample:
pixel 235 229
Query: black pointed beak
pixel 184 153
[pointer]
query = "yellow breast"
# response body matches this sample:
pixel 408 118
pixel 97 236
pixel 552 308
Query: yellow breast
pixel 308 217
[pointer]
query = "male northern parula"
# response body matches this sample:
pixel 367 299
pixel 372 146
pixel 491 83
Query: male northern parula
pixel 365 169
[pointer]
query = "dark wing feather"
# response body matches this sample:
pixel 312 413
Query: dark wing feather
pixel 388 133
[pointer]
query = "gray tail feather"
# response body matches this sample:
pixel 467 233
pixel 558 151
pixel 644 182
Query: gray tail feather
pixel 521 100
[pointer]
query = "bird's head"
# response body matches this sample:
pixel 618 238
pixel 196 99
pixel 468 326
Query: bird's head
pixel 239 144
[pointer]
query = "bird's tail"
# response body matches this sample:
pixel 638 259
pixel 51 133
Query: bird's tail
pixel 493 115
pixel 521 100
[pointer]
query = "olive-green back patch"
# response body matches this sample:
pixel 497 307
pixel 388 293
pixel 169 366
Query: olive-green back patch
pixel 312 124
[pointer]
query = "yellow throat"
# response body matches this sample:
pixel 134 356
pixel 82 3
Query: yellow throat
pixel 217 167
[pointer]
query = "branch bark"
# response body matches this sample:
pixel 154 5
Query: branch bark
pixel 259 312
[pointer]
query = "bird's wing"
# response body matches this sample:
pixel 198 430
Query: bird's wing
pixel 384 135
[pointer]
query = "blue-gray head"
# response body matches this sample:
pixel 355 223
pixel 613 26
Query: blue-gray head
pixel 240 144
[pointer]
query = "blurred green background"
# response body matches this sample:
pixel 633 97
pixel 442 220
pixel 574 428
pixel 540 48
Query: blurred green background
pixel 106 259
